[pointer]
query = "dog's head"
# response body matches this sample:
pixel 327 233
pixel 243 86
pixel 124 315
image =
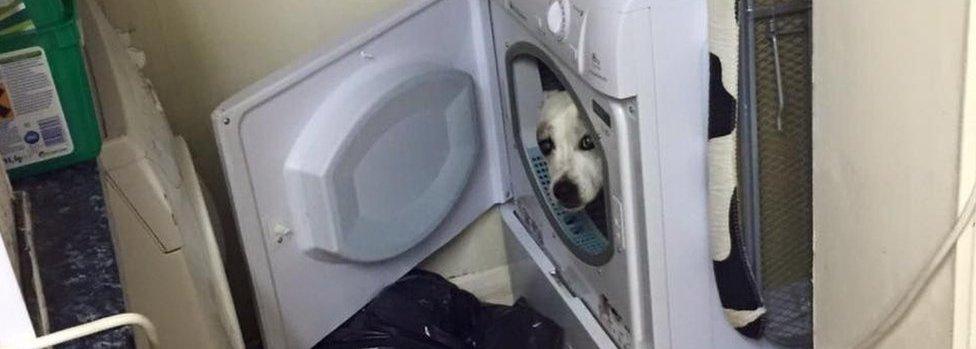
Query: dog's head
pixel 575 160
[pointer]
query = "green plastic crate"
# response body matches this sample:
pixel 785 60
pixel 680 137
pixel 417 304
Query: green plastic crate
pixel 58 36
pixel 47 13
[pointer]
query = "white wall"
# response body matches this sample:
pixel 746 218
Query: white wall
pixel 478 249
pixel 887 96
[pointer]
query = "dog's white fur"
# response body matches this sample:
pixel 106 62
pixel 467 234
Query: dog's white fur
pixel 562 123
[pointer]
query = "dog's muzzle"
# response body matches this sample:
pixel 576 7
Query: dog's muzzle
pixel 567 193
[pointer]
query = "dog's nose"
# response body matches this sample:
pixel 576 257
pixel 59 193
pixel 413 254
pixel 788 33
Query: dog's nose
pixel 567 193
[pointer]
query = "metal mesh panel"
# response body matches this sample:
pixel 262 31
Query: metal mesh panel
pixel 784 125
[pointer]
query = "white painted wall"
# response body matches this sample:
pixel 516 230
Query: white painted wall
pixel 479 248
pixel 887 98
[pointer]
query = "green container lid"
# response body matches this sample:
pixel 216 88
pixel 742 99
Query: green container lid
pixel 46 13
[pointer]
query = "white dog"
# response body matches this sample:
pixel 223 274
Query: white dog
pixel 575 160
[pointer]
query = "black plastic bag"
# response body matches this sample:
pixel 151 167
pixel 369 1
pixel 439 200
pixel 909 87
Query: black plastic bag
pixel 518 326
pixel 422 310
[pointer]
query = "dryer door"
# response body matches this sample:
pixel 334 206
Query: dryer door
pixel 382 163
pixel 350 167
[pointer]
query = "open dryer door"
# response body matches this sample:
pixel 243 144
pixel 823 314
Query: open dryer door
pixel 350 167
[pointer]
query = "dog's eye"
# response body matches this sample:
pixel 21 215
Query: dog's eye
pixel 546 146
pixel 587 143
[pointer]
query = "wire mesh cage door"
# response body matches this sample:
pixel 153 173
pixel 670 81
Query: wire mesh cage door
pixel 777 127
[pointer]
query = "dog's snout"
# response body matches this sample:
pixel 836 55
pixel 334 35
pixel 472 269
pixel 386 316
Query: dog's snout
pixel 567 193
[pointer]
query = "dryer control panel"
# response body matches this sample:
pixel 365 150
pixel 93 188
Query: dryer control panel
pixel 598 38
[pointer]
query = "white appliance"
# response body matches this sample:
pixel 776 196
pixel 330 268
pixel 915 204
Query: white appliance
pixel 351 166
pixel 167 253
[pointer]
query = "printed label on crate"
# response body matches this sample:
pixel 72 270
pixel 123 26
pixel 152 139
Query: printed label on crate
pixel 32 124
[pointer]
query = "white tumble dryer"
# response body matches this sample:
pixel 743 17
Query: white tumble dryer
pixel 351 166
